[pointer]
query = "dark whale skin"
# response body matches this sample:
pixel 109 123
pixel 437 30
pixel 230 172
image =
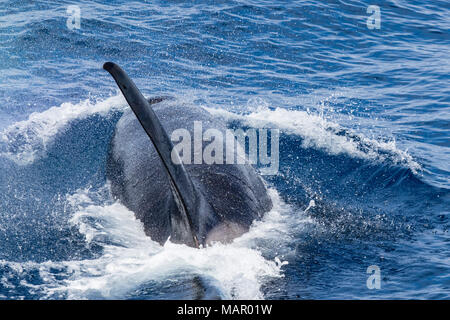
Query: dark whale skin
pixel 138 179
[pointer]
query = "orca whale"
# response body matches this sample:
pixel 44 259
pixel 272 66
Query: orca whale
pixel 194 204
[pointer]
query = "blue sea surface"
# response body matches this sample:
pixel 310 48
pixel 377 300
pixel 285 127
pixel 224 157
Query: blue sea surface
pixel 364 120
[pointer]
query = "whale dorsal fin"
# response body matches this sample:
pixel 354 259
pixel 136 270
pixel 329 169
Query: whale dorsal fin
pixel 185 195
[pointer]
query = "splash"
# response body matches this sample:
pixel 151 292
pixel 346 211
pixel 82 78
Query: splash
pixel 25 141
pixel 318 132
pixel 130 259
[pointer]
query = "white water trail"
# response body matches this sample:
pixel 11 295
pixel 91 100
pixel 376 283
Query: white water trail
pixel 130 259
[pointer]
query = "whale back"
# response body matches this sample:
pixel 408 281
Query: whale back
pixel 138 179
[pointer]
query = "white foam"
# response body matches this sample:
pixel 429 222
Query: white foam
pixel 29 139
pixel 130 258
pixel 318 132
pixel 32 137
pixel 136 259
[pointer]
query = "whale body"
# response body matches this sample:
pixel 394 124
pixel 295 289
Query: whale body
pixel 194 204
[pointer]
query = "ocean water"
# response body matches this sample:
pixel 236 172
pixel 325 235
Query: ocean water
pixel 364 117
